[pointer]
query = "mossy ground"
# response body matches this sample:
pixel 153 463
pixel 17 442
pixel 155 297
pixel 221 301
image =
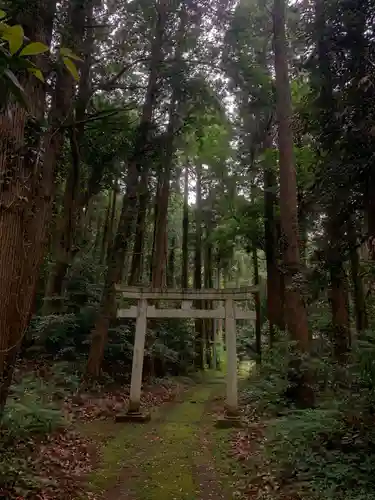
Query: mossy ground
pixel 179 455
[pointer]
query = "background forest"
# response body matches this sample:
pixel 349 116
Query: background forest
pixel 205 144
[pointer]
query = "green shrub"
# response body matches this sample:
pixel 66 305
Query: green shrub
pixel 320 451
pixel 30 409
pixel 271 383
pixel 328 451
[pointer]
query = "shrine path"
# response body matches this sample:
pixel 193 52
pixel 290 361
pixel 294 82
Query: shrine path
pixel 178 455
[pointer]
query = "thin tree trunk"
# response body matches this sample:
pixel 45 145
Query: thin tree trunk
pixel 171 274
pixel 296 316
pixel 159 264
pixel 358 291
pixel 340 309
pixel 109 218
pixel 112 220
pixel 98 236
pixel 208 283
pixel 62 247
pixel 339 286
pixel 116 257
pixel 303 237
pixel 136 270
pixel 68 222
pixel 129 205
pixel 258 328
pixel 275 302
pixel 185 232
pixel 199 340
pixel 370 209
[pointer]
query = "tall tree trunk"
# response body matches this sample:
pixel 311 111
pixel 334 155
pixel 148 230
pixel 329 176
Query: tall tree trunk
pixel 62 247
pixel 339 286
pixel 258 328
pixel 275 295
pixel 112 221
pixel 171 274
pixel 159 264
pixel 370 212
pixel 155 220
pixel 136 270
pixel 80 14
pixel 302 232
pixel 208 283
pixel 108 224
pixel 129 205
pixel 296 316
pixel 330 126
pixel 185 232
pixel 25 200
pixel 100 220
pixel 340 309
pixel 199 340
pixel 358 291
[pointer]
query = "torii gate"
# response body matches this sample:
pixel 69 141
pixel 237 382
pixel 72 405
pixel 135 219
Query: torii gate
pixel 230 313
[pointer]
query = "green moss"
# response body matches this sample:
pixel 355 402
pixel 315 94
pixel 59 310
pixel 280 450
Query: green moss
pixel 162 456
pixel 169 473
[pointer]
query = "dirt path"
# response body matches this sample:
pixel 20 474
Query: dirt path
pixel 179 455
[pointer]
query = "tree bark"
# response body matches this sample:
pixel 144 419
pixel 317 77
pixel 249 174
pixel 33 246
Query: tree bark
pixel 275 293
pixel 358 291
pixel 62 247
pixel 208 283
pixel 112 221
pixel 185 233
pixel 339 285
pixel 340 309
pixel 168 150
pixel 171 273
pixel 159 262
pixel 67 224
pixel 129 206
pixel 108 224
pixel 199 340
pixel 296 316
pixel 136 270
pixel 258 326
pixel 155 220
pixel 26 190
pixel 370 212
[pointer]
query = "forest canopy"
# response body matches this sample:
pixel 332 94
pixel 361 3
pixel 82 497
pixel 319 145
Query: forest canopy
pixel 195 144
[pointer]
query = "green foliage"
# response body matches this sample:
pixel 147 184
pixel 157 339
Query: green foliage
pixel 328 451
pixel 14 59
pixel 30 410
pixel 67 336
pixel 269 387
pixel 32 413
pixel 175 344
pixel 171 348
pixel 16 476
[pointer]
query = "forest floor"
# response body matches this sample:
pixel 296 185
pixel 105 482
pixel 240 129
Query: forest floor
pixel 178 455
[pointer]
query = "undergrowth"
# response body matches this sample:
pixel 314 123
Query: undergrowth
pixel 31 413
pixel 327 451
